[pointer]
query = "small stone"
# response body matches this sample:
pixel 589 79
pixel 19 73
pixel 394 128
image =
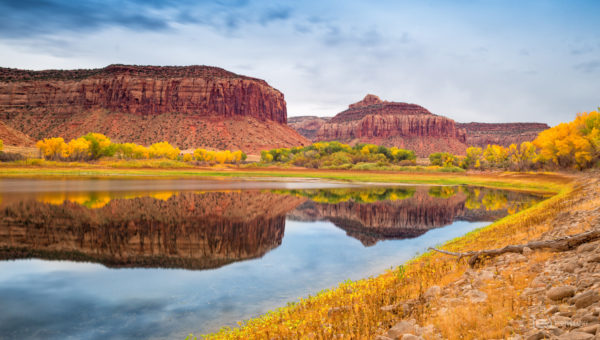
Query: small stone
pixel 586 299
pixel 401 328
pixel 476 296
pixel 584 248
pixel 590 319
pixel 569 267
pixel 559 293
pixel 382 337
pixel 389 308
pixel 539 335
pixel 410 337
pixel 552 310
pixel 594 258
pixel 588 329
pixel 433 292
pixel 527 251
pixel 576 336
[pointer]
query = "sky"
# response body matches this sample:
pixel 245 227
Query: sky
pixel 470 60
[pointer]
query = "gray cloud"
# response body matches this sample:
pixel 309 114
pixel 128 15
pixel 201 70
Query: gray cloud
pixel 588 67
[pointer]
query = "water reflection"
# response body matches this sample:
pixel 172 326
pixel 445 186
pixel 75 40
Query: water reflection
pixel 371 215
pixel 209 229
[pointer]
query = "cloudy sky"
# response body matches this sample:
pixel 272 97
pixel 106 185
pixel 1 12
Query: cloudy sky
pixel 491 61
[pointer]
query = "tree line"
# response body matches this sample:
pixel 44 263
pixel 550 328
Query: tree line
pixel 94 146
pixel 338 155
pixel 571 145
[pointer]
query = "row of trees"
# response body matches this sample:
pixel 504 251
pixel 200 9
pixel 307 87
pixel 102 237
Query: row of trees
pixel 574 145
pixel 95 145
pixel 338 155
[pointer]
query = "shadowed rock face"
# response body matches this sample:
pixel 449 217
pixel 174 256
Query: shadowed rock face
pixel 386 123
pixel 116 100
pixel 505 134
pixel 193 231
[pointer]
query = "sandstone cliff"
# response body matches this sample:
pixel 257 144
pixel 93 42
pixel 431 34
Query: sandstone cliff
pixel 194 231
pixel 189 106
pixel 403 125
pixel 482 134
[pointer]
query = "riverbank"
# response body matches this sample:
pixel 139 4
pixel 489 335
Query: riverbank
pixel 543 182
pixel 437 297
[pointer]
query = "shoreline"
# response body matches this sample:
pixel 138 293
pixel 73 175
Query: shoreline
pixel 366 309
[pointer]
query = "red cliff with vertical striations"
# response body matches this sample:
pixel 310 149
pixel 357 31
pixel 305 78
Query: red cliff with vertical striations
pixel 403 125
pixel 505 134
pixel 191 106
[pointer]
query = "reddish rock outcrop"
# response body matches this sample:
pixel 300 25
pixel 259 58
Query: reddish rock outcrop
pixel 10 136
pixel 307 126
pixel 403 125
pixel 122 101
pixel 505 134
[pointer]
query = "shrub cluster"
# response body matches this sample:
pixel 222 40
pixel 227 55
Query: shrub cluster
pixel 572 145
pixel 95 145
pixel 338 155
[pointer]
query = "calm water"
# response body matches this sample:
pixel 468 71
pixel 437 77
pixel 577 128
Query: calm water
pixel 118 259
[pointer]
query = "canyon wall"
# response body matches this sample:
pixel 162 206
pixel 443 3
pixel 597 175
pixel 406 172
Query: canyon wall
pixel 505 134
pixel 163 102
pixel 407 126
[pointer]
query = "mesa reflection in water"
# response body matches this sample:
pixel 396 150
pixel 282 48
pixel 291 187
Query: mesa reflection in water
pixel 203 230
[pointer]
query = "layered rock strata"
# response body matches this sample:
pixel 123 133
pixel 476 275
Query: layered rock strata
pixel 124 101
pixel 403 125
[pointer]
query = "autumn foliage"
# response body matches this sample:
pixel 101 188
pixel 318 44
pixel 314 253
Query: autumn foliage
pixel 572 145
pixel 95 145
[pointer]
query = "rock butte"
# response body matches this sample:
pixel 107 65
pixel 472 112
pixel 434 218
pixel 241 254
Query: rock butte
pixel 404 125
pixel 191 106
pixel 375 121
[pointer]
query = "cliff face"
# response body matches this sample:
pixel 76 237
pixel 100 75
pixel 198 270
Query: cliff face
pixel 482 134
pixel 403 125
pixel 194 231
pixel 307 126
pixel 66 103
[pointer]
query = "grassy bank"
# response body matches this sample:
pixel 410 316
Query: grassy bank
pixel 547 182
pixel 353 310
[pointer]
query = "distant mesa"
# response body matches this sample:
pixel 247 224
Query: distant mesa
pixel 307 126
pixel 188 106
pixel 409 126
pixel 505 134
